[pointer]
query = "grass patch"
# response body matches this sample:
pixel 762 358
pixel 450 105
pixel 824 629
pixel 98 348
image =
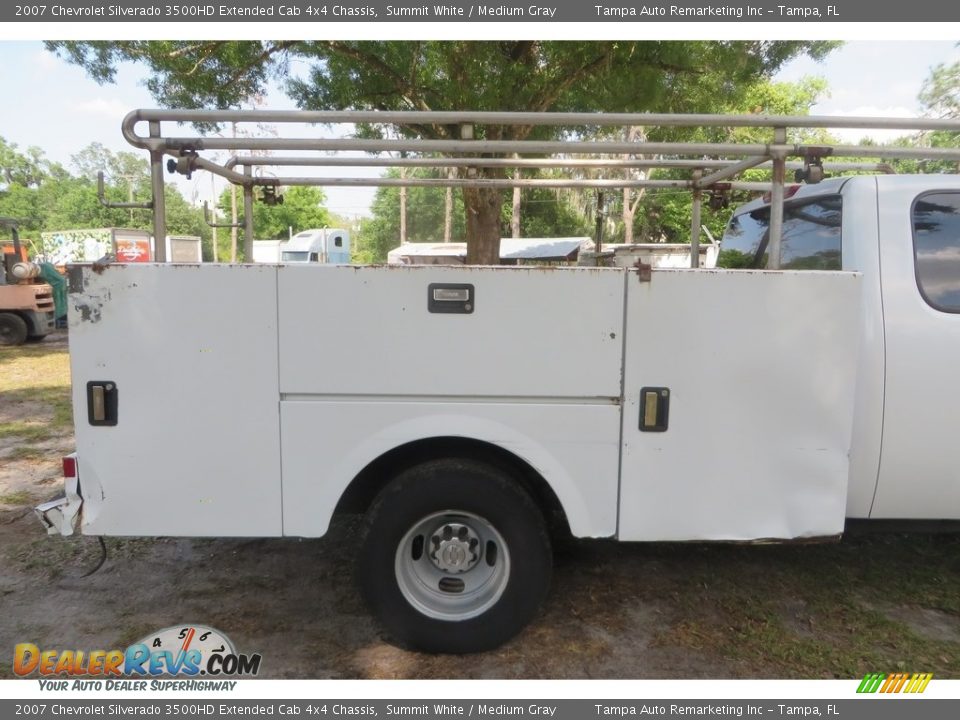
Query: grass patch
pixel 55 556
pixel 18 497
pixel 28 432
pixel 35 384
pixel 27 452
pixel 818 611
pixel 132 633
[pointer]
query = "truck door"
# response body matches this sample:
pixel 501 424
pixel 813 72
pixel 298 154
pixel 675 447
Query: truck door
pixel 738 404
pixel 920 277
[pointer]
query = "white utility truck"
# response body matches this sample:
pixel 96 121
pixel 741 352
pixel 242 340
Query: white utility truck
pixel 460 408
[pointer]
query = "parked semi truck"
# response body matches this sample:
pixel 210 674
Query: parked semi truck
pixel 320 245
pixel 463 409
pixel 323 245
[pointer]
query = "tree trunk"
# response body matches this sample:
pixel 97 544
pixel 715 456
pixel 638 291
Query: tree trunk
pixel 403 208
pixel 233 221
pixel 233 211
pixel 213 198
pixel 627 217
pixel 515 215
pixel 482 206
pixel 636 133
pixel 448 208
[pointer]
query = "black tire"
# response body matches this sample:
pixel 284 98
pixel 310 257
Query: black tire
pixel 482 502
pixel 13 329
pixel 36 338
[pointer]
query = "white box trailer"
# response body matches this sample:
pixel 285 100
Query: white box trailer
pixel 266 251
pixel 184 249
pixel 62 247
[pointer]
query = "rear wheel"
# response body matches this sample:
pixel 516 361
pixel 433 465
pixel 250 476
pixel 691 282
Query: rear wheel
pixel 13 329
pixel 455 558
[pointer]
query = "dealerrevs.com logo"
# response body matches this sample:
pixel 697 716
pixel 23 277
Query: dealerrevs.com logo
pixel 181 651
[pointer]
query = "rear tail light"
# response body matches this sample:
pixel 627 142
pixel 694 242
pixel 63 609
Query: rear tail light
pixel 70 466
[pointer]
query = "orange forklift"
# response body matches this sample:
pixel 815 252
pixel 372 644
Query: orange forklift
pixel 26 301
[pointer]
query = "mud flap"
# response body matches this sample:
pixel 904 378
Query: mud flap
pixel 62 515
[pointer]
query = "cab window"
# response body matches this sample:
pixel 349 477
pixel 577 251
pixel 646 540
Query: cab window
pixel 811 237
pixel 936 248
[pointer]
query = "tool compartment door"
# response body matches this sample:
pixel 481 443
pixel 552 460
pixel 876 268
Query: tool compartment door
pixel 374 358
pixel 751 440
pixel 194 444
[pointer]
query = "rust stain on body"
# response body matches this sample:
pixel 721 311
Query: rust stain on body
pixel 88 313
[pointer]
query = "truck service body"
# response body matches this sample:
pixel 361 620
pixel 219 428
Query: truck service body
pixel 462 407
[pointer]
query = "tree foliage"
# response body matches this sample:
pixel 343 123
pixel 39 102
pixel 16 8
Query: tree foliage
pixel 940 94
pixel 25 168
pixel 664 215
pixel 940 98
pixel 612 76
pixel 302 209
pixel 45 196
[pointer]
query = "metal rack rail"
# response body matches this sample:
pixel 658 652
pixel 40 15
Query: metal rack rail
pixel 463 144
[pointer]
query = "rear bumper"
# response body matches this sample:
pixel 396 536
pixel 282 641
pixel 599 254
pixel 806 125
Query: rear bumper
pixel 62 516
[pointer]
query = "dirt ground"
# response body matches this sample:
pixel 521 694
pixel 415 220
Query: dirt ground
pixel 872 603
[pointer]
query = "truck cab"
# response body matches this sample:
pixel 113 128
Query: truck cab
pixel 903 234
pixel 325 245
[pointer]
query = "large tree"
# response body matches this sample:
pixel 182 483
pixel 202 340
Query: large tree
pixel 613 76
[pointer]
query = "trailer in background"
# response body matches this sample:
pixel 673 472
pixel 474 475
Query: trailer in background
pixel 513 251
pixel 266 251
pixel 658 255
pixel 127 245
pixel 184 249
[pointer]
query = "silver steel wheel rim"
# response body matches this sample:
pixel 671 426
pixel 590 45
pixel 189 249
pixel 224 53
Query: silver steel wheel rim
pixel 445 581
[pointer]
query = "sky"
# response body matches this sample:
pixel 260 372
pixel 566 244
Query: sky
pixel 55 106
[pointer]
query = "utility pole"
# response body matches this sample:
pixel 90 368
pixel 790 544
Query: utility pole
pixel 129 179
pixel 213 195
pixel 599 230
pixel 233 212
